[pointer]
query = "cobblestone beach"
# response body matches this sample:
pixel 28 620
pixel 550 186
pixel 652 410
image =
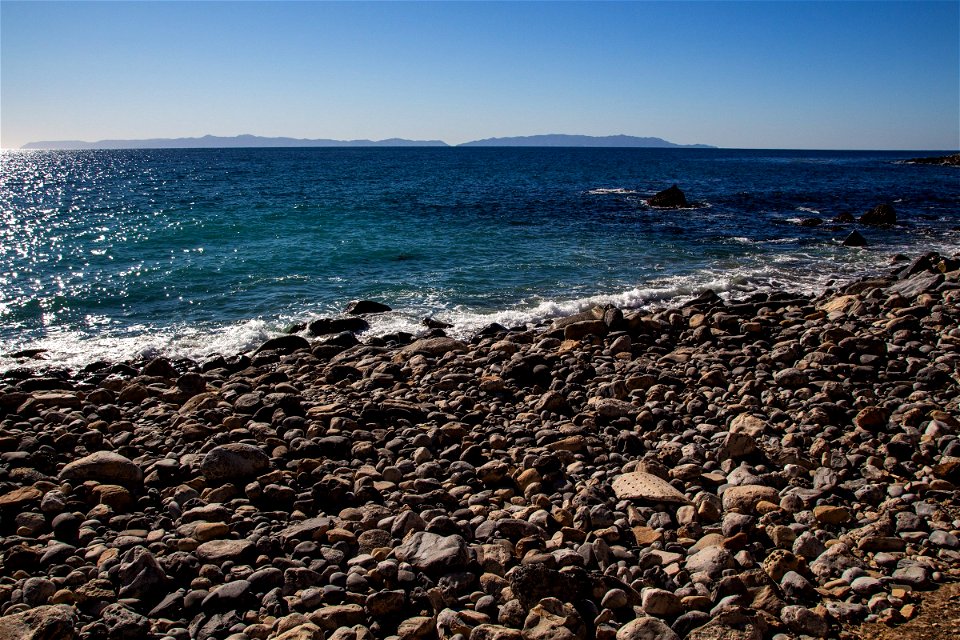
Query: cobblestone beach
pixel 777 466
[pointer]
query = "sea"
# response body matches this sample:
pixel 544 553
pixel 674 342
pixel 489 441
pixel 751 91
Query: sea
pixel 122 255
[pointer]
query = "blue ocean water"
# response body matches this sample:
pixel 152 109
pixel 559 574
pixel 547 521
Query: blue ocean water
pixel 125 254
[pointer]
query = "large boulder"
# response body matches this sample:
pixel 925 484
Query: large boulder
pixel 233 461
pixel 672 198
pixel 880 214
pixel 104 466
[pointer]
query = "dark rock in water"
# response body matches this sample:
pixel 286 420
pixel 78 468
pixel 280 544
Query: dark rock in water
pixel 920 264
pixel 492 329
pixel 943 161
pixel 296 327
pixel 363 307
pixel 811 222
pixel 432 323
pixel 284 344
pixel 26 353
pixel 672 198
pixel 844 217
pixel 880 214
pixel 855 240
pixel 326 326
pixel 708 298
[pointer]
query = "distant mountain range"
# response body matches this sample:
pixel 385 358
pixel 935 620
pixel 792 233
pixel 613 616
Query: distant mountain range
pixel 246 141
pixel 563 140
pixel 221 142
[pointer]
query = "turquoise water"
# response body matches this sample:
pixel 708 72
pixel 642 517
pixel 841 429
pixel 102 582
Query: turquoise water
pixel 124 254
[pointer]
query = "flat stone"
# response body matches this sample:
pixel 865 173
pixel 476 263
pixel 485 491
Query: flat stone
pixel 646 486
pixel 221 550
pixel 20 497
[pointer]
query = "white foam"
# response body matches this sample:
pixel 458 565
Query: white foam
pixel 604 192
pixel 76 349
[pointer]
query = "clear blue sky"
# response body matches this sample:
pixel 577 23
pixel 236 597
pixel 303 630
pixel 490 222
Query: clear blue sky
pixel 859 75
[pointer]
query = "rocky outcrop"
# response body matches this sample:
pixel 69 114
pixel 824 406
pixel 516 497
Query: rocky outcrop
pixel 882 214
pixel 671 198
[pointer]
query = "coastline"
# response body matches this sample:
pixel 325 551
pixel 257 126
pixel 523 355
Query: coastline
pixel 778 463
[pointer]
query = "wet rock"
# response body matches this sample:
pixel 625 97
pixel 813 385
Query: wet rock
pixel 330 326
pixel 284 344
pixel 880 214
pixel 854 239
pixel 363 307
pixel 670 198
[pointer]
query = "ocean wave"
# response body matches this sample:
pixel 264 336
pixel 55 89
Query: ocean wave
pixel 616 191
pixel 73 349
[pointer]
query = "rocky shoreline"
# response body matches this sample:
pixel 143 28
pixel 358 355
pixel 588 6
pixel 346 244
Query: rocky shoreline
pixel 773 467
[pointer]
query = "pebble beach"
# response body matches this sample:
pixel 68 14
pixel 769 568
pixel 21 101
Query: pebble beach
pixel 780 465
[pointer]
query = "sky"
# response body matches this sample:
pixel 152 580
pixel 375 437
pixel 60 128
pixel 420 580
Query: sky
pixel 816 74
